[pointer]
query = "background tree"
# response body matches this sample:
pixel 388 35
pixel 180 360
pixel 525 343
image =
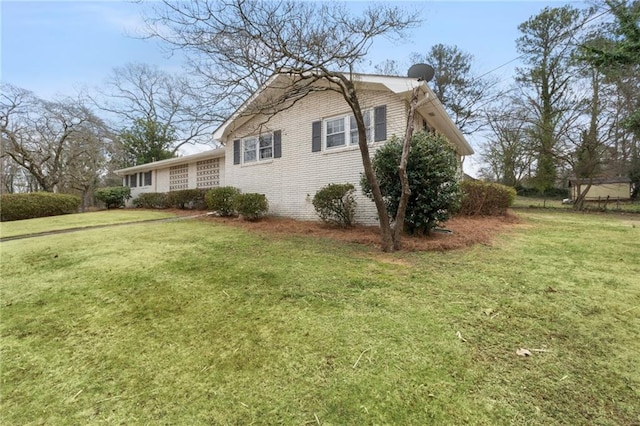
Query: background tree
pixel 237 45
pixel 463 93
pixel 547 47
pixel 147 141
pixel 506 151
pixel 618 56
pixel 157 113
pixel 42 137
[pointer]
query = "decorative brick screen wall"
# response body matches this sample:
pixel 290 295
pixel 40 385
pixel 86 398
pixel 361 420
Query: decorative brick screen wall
pixel 208 173
pixel 179 177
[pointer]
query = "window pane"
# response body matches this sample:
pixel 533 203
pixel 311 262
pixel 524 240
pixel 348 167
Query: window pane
pixel 366 116
pixel 249 150
pixel 335 140
pixel 335 126
pixel 266 147
pixel 335 133
pixel 266 140
pixel 133 180
pixel 147 179
pixel 266 153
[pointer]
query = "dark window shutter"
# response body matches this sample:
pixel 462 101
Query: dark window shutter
pixel 380 123
pixel 236 151
pixel 126 180
pixel 277 144
pixel 316 136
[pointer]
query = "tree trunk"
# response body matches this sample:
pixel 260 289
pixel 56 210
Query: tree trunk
pixel 402 171
pixel 386 236
pixel 578 204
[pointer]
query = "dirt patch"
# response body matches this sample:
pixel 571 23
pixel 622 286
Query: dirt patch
pixel 466 231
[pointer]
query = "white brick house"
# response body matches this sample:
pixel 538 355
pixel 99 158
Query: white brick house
pixel 292 154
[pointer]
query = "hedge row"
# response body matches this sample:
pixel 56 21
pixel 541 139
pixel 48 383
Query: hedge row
pixel 36 204
pixel 226 201
pixel 485 199
pixel 191 199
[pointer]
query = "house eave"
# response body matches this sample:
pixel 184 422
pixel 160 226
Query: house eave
pixel 205 155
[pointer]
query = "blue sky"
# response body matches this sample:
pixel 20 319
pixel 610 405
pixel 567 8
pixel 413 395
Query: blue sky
pixel 57 48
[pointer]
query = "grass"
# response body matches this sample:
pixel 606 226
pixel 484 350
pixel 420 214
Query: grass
pixel 79 220
pixel 550 203
pixel 195 323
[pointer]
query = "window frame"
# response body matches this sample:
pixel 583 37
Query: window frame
pixel 259 149
pixel 349 129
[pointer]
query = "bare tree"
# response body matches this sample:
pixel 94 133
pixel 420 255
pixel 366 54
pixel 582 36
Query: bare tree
pixel 463 93
pixel 141 95
pixel 239 44
pixel 37 135
pixel 388 67
pixel 507 151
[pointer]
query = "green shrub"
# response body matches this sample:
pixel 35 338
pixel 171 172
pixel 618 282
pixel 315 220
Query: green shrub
pixel 336 204
pixel 432 172
pixel 187 199
pixel 486 199
pixel 251 206
pixel 220 200
pixel 36 204
pixel 152 200
pixel 113 196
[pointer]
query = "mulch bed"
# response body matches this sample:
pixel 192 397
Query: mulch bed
pixel 466 231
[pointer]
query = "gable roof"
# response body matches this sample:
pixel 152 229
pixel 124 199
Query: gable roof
pixel 402 87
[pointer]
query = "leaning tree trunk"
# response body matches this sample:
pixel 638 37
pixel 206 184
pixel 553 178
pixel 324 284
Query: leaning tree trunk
pixel 402 171
pixel 578 204
pixel 349 93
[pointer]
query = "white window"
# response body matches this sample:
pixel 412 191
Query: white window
pixel 257 148
pixel 336 135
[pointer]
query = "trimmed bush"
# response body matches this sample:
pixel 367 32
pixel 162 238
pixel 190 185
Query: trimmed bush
pixel 220 200
pixel 432 171
pixel 251 206
pixel 486 199
pixel 152 200
pixel 335 204
pixel 36 204
pixel 113 197
pixel 192 199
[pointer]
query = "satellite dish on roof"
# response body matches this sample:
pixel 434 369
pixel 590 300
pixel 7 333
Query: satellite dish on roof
pixel 422 72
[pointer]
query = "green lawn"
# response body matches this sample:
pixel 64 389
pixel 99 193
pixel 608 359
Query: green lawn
pixel 614 206
pixel 79 220
pixel 192 322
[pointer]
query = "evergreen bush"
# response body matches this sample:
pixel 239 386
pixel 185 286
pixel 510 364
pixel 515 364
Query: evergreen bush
pixel 432 170
pixel 220 200
pixel 192 199
pixel 113 196
pixel 335 204
pixel 152 200
pixel 251 206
